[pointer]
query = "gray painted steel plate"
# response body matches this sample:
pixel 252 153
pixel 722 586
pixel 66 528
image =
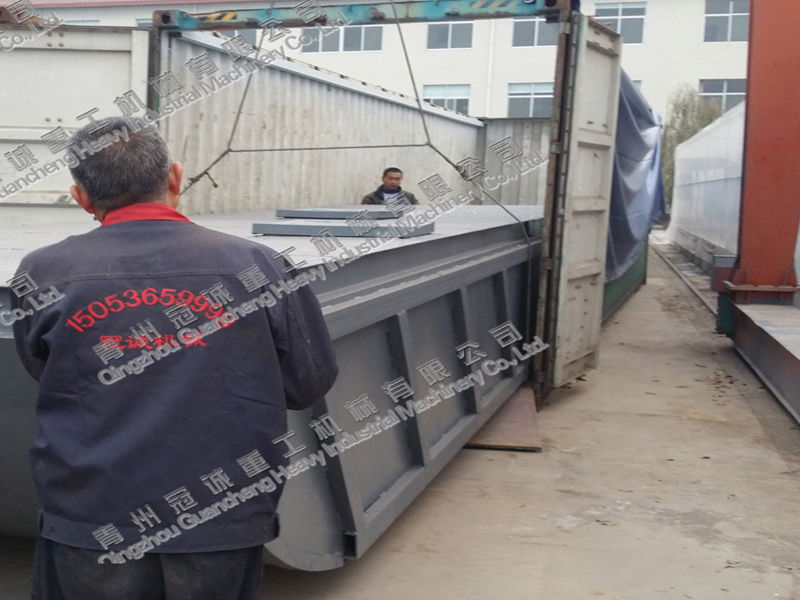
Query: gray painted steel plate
pixel 45 227
pixel 309 227
pixel 334 212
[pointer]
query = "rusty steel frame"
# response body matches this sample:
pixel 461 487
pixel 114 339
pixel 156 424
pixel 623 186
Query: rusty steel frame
pixel 770 212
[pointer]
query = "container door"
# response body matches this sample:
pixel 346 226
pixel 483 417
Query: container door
pixel 50 80
pixel 583 191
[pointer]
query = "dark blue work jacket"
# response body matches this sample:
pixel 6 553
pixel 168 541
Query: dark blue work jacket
pixel 166 362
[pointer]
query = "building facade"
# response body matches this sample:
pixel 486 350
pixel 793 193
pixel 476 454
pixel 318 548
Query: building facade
pixel 503 67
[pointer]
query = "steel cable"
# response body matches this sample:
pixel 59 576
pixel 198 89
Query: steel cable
pixel 429 143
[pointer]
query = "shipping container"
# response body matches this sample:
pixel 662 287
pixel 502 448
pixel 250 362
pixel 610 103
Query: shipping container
pixel 258 142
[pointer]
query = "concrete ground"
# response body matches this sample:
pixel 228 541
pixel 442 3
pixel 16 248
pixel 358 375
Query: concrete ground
pixel 668 473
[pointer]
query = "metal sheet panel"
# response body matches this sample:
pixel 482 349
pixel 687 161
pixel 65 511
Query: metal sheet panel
pixel 51 80
pixel 589 168
pixel 334 212
pixel 768 338
pixel 311 227
pixel 532 136
pixel 290 105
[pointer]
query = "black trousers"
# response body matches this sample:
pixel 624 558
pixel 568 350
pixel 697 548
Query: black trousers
pixel 66 573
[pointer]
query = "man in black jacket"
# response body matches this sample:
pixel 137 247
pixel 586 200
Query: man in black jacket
pixel 390 190
pixel 167 355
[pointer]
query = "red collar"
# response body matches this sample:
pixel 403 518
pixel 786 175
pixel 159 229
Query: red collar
pixel 143 211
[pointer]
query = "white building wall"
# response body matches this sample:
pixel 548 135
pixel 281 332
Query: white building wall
pixel 487 73
pixel 672 52
pixel 516 65
pixel 388 69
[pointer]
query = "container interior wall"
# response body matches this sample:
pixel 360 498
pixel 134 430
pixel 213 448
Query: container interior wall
pixel 532 136
pixel 708 186
pixel 289 105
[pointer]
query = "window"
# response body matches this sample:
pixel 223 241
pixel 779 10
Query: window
pixel 454 97
pixel 637 83
pixel 249 35
pixel 534 32
pixel 725 92
pixel 530 100
pixel 626 18
pixel 727 20
pixel 144 22
pixel 449 35
pixel 359 38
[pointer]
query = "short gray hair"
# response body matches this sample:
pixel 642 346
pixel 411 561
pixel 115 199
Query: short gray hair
pixel 131 166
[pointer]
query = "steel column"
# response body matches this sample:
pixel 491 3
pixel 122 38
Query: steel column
pixel 770 209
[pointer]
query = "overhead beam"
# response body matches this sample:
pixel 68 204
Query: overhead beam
pixel 360 14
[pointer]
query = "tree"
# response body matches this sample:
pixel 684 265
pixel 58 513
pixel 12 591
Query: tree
pixel 687 113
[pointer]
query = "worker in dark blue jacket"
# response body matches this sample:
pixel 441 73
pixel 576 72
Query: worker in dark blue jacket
pixel 167 355
pixel 390 191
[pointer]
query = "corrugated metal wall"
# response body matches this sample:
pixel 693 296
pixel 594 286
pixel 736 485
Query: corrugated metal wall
pixel 532 136
pixel 290 105
pixel 47 83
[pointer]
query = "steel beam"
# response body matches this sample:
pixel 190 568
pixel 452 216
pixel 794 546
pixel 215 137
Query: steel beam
pixel 765 338
pixel 359 14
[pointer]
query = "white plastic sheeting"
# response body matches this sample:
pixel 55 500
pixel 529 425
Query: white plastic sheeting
pixel 708 187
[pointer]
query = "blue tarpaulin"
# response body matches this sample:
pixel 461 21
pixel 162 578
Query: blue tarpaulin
pixel 637 193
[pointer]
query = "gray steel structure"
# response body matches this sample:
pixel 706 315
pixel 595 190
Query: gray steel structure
pixel 334 212
pixel 390 311
pixel 409 301
pixel 311 227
